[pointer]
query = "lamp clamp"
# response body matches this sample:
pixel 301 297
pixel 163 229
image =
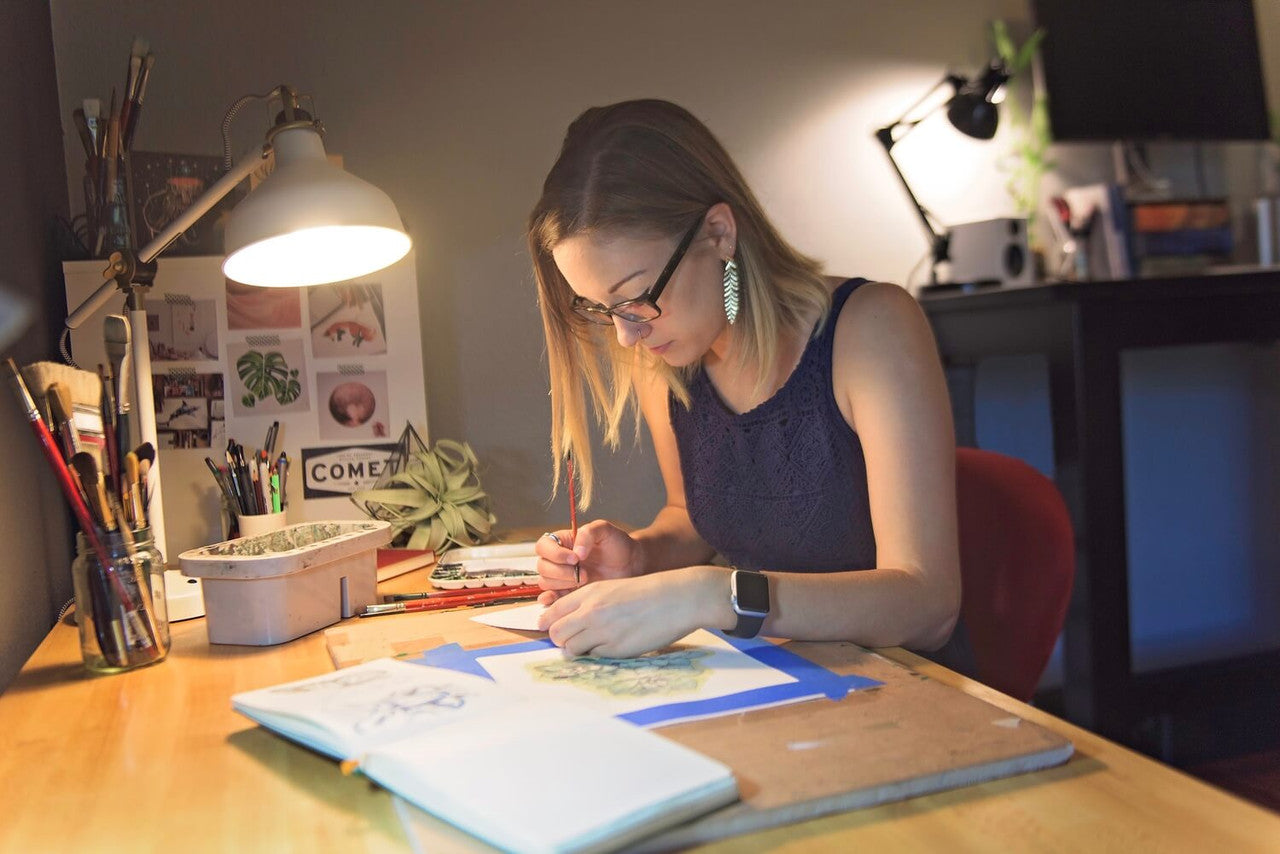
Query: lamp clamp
pixel 291 114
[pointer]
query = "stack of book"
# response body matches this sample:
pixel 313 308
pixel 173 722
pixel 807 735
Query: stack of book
pixel 1179 236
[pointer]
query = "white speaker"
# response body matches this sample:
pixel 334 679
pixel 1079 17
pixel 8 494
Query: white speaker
pixel 993 251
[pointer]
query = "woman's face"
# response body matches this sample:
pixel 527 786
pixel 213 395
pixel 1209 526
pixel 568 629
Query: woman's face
pixel 610 268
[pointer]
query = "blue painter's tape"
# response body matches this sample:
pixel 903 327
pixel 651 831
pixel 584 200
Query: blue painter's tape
pixel 800 668
pixel 452 656
pixel 811 679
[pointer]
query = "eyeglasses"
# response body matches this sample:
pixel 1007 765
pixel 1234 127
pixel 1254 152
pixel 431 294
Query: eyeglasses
pixel 643 308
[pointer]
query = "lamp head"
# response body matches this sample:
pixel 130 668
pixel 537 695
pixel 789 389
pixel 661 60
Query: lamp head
pixel 310 222
pixel 973 109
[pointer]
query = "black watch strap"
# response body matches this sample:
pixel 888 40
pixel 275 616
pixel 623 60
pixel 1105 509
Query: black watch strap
pixel 748 627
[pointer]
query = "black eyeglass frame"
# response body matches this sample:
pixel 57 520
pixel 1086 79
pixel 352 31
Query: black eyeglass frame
pixel 594 312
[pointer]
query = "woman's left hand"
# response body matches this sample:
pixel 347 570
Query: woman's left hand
pixel 626 617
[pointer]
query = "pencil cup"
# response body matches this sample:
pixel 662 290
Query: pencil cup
pixel 120 604
pixel 261 523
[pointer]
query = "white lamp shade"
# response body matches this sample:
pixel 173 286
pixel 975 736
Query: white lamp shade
pixel 310 222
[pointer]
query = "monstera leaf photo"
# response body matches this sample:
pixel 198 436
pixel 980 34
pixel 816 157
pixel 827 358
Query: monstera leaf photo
pixel 267 375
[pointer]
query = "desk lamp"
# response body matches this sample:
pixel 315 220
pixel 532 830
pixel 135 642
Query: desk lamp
pixel 309 223
pixel 972 110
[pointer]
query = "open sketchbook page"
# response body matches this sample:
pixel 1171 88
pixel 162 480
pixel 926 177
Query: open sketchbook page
pixel 558 778
pixel 347 713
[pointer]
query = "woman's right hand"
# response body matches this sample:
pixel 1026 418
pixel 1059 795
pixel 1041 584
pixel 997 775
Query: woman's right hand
pixel 601 550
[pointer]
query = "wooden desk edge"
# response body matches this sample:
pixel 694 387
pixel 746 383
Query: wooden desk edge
pixel 56 663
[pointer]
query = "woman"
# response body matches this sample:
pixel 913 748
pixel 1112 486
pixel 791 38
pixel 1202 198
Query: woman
pixel 801 424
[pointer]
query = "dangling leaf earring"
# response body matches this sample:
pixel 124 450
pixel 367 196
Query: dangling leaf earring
pixel 731 290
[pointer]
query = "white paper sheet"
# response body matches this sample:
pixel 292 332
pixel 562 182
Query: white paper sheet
pixel 524 618
pixel 702 666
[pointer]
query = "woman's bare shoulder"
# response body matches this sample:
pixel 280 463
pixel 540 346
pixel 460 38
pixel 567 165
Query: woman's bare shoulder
pixel 880 319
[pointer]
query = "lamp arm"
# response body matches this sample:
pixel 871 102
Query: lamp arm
pixel 938 239
pixel 929 228
pixel 204 204
pixel 955 81
pixel 119 265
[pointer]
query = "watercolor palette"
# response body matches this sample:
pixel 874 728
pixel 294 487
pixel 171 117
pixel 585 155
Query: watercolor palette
pixel 508 565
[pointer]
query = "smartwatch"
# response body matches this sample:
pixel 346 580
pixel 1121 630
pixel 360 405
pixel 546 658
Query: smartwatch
pixel 749 596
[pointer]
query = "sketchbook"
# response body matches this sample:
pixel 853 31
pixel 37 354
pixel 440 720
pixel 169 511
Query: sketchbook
pixel 451 743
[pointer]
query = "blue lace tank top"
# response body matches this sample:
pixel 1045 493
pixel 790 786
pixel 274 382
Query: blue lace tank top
pixel 784 485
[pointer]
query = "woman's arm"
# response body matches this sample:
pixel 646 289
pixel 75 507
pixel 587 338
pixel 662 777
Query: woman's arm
pixel 889 384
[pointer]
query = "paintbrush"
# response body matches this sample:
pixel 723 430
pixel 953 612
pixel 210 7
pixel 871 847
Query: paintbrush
pixel 148 62
pixel 146 453
pixel 117 337
pixel 129 495
pixel 63 416
pixel 86 467
pixel 74 497
pixel 136 52
pixel 108 410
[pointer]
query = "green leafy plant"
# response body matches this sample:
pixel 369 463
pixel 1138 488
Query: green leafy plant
pixel 434 499
pixel 1029 156
pixel 267 375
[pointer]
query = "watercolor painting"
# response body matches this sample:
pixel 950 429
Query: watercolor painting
pixel 660 674
pixel 347 320
pixel 700 667
pixel 269 376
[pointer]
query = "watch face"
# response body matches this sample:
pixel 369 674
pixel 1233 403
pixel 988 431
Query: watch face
pixel 750 591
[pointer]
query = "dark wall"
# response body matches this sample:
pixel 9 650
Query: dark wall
pixel 35 577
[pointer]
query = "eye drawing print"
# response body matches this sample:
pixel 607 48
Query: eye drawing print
pixel 664 673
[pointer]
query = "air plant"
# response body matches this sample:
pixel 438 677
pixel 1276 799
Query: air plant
pixel 433 499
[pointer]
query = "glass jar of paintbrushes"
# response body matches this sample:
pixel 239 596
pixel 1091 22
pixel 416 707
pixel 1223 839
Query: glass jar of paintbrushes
pixel 120 610
pixel 118 578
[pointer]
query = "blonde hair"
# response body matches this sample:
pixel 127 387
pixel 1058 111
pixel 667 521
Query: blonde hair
pixel 650 168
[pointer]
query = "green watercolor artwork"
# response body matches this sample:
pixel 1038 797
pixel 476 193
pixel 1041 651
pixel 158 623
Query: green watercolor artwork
pixel 659 674
pixel 267 375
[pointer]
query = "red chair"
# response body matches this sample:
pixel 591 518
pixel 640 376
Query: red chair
pixel 1017 562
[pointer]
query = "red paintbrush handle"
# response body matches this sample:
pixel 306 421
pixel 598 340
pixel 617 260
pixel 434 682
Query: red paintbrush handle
pixel 519 590
pixel 472 599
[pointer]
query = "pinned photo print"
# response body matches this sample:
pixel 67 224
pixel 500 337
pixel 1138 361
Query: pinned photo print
pixel 268 376
pixel 352 406
pixel 163 187
pixel 182 329
pixel 188 409
pixel 347 320
pixel 250 307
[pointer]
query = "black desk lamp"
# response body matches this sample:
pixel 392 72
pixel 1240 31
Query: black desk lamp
pixel 972 110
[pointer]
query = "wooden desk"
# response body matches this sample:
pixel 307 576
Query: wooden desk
pixel 1082 328
pixel 155 759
